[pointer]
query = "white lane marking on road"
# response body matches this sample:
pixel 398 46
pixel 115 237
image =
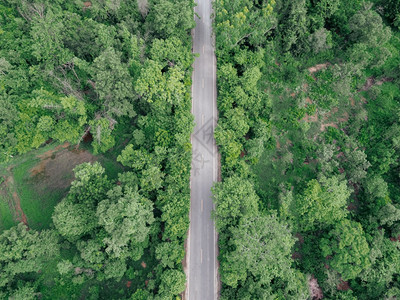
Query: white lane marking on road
pixel 202 119
pixel 203 49
pixel 202 83
pixel 201 256
pixel 201 205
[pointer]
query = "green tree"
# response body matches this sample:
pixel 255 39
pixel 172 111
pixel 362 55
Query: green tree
pixel 168 18
pixel 321 204
pixel 173 282
pixel 356 165
pixel 234 199
pixel 113 83
pixel 320 40
pixel 240 20
pixel 348 247
pixel 170 254
pixel 160 89
pixel 389 215
pixel 73 220
pixel 376 192
pixel 151 179
pixel 102 133
pixel 48 115
pixel 126 217
pixel 25 251
pixel 262 249
pixel 171 52
pixel 47 45
pixel 385 263
pixel 8 119
pixel 23 293
pixel 293 24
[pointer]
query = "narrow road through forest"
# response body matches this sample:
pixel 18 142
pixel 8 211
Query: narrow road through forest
pixel 202 242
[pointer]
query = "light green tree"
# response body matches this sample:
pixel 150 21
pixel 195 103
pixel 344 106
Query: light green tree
pixel 73 220
pixel 347 246
pixel 322 203
pixel 113 83
pixel 25 251
pixel 173 282
pixel 126 217
pixel 367 27
pixel 234 199
pixel 90 185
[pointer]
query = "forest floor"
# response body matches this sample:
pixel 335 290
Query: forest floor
pixel 35 182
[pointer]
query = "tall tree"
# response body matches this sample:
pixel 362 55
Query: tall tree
pixel 262 249
pixel 346 249
pixel 24 251
pixel 234 199
pixel 113 83
pixel 168 18
pixel 322 204
pixel 126 218
pixel 367 27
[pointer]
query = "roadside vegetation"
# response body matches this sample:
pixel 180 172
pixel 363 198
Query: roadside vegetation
pixel 95 148
pixel 309 129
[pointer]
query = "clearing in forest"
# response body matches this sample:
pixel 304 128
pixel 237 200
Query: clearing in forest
pixel 34 183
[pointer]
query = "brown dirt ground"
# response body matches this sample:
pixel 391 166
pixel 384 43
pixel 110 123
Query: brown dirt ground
pixel 13 202
pixel 55 170
pixel 318 67
pixel 343 286
pixel 371 81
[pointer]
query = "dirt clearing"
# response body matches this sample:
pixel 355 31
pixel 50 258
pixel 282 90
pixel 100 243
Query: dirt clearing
pixel 55 169
pixel 36 183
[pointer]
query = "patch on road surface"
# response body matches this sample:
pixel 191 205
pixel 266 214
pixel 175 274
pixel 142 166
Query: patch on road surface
pixel 205 135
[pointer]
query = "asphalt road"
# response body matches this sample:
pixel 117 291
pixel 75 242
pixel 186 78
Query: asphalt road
pixel 202 245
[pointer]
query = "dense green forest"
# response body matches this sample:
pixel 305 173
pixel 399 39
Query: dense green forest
pixel 110 77
pixel 309 133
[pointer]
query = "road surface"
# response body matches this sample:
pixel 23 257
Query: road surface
pixel 202 245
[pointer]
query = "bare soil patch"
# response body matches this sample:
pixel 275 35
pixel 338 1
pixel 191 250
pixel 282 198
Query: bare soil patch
pixel 318 67
pixel 55 170
pixel 343 285
pixel 20 213
pixel 14 202
pixel 371 81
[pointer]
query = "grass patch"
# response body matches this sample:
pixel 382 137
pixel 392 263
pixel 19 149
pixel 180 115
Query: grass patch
pixel 37 201
pixel 6 217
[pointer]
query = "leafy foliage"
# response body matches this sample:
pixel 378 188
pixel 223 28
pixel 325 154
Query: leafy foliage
pixel 112 77
pixel 308 127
